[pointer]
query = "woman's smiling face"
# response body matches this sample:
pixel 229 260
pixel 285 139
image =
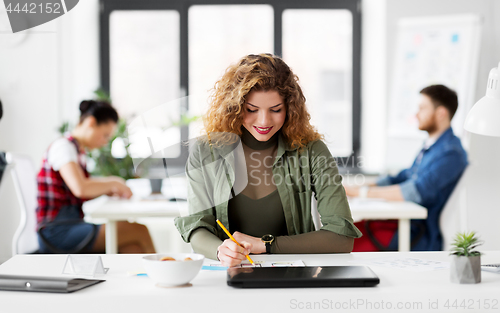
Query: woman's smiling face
pixel 264 114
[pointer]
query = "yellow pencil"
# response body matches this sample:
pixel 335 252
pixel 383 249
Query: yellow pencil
pixel 232 238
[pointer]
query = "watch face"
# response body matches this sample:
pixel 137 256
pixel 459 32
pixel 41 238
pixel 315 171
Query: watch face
pixel 267 237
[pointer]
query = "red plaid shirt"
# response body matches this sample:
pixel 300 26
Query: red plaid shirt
pixel 53 193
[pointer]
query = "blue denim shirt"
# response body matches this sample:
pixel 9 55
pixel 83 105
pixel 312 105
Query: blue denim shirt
pixel 430 182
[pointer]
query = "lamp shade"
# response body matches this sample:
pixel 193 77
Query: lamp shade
pixel 484 117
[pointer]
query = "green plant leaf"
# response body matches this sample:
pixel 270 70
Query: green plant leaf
pixel 102 95
pixel 465 243
pixel 65 126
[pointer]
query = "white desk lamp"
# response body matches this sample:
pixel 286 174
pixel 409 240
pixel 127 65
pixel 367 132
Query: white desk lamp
pixel 484 117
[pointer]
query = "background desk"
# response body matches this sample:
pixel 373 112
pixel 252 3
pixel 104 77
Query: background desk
pixel 415 291
pixel 403 211
pixel 111 210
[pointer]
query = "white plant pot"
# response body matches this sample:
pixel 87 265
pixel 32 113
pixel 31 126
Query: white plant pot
pixel 465 270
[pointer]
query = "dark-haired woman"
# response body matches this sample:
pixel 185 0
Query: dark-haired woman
pixel 64 184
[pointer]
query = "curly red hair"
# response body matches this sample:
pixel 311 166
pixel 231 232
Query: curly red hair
pixel 260 72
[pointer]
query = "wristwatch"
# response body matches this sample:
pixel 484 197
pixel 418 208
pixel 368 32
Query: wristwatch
pixel 267 239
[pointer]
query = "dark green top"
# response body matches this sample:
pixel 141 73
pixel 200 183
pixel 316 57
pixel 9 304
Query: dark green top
pixel 257 210
pixel 257 217
pixel 213 169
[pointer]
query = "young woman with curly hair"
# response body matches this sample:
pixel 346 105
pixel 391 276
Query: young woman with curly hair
pixel 259 184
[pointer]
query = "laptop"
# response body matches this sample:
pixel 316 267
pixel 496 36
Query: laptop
pixel 300 277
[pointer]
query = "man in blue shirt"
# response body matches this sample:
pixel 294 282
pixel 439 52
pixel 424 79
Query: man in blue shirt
pixel 434 173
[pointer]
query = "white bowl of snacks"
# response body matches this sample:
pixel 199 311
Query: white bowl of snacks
pixel 173 269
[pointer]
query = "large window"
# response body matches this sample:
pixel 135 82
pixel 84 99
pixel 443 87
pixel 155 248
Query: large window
pixel 213 45
pixel 153 53
pixel 144 77
pixel 317 44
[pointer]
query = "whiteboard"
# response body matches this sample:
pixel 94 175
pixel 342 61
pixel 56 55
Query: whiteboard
pixel 433 50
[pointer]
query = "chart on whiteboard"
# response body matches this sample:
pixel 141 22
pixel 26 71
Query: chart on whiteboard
pixel 434 50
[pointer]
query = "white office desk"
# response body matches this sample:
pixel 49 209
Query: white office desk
pixel 403 211
pixel 414 291
pixel 112 210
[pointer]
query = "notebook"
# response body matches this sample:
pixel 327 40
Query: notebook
pixel 309 276
pixel 45 284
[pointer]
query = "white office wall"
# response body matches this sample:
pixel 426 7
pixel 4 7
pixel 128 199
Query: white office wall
pixel 79 62
pixel 28 81
pixel 482 190
pixel 31 109
pixel 10 219
pixel 43 78
pixel 496 27
pixel 401 152
pixel 374 87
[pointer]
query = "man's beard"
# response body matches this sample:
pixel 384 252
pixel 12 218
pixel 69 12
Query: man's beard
pixel 431 127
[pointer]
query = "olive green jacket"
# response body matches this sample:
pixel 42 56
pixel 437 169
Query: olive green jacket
pixel 298 174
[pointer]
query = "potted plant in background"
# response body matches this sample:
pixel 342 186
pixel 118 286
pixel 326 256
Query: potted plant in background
pixel 106 164
pixel 465 267
pixel 102 162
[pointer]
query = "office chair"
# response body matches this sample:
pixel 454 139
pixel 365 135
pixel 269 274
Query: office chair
pixel 23 175
pixel 25 239
pixel 453 217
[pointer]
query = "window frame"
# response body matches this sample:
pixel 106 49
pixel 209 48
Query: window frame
pixel 279 6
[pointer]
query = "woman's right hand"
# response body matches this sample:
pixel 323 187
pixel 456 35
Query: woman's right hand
pixel 230 254
pixel 120 189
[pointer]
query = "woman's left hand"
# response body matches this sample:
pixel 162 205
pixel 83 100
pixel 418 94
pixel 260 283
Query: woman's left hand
pixel 258 246
pixel 351 191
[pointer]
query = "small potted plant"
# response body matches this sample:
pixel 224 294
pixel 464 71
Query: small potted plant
pixel 465 267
